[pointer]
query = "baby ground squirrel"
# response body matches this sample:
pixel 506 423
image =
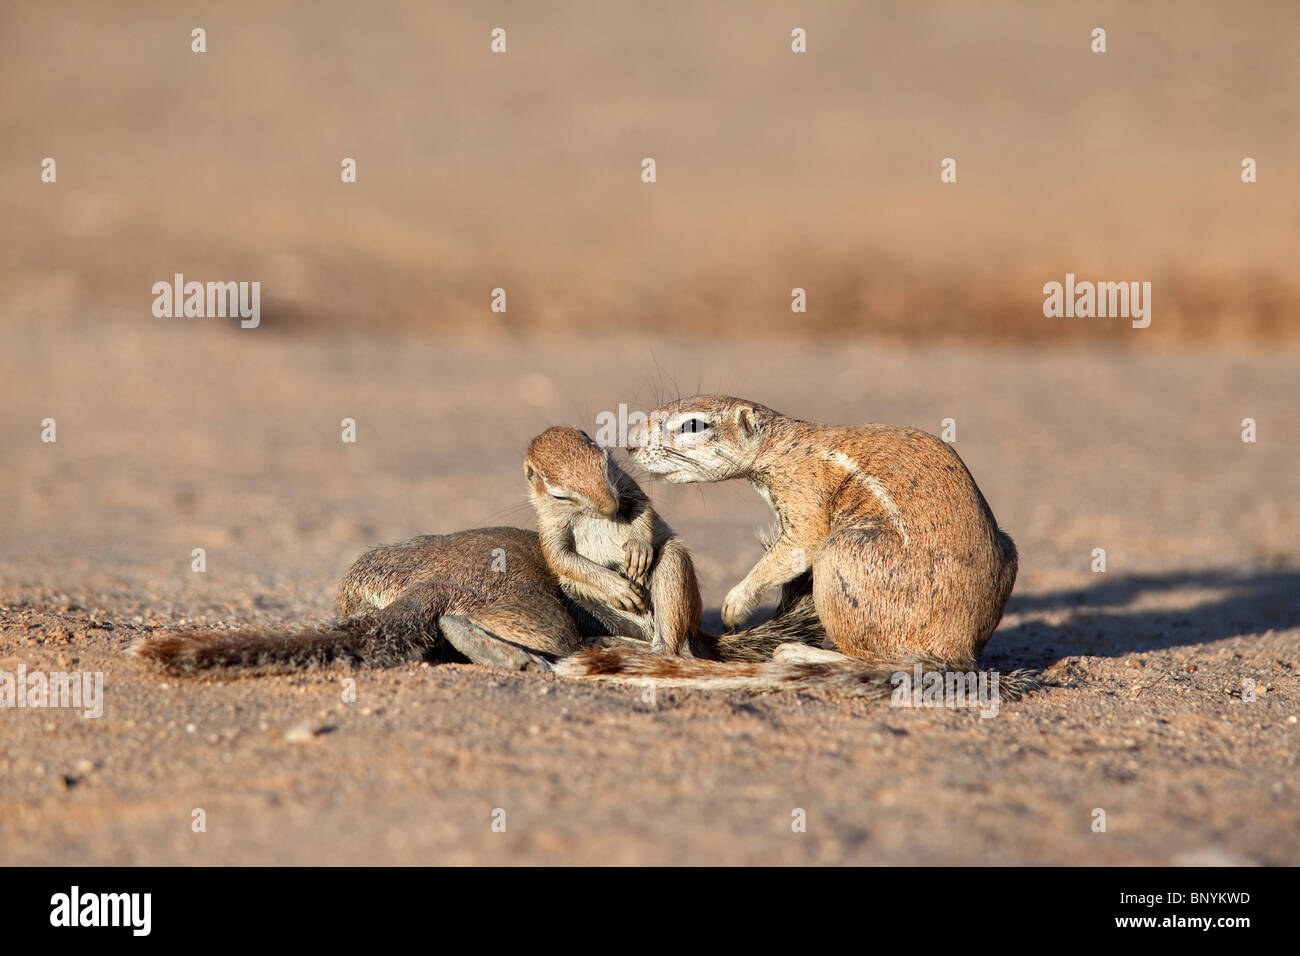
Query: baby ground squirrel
pixel 486 595
pixel 619 561
pixel 613 554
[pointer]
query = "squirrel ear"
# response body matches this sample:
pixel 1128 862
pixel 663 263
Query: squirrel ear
pixel 529 471
pixel 745 421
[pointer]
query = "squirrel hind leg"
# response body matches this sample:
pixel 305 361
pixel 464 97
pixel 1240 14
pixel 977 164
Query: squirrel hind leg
pixel 675 601
pixel 472 636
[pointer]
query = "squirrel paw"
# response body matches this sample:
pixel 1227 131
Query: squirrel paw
pixel 736 607
pixel 627 596
pixel 638 556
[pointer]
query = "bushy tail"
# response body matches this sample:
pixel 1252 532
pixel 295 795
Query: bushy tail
pixel 364 640
pixel 794 668
pixel 795 623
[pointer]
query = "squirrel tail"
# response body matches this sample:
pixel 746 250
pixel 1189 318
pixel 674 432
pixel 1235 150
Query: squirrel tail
pixel 794 667
pixel 795 622
pixel 364 640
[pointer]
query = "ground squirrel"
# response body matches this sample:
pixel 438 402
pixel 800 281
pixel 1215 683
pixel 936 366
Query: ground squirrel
pixel 486 595
pixel 594 521
pixel 619 561
pixel 907 561
pixel 505 598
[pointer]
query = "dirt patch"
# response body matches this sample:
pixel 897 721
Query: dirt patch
pixel 1171 700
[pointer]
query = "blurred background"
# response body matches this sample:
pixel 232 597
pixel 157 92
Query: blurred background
pixel 775 170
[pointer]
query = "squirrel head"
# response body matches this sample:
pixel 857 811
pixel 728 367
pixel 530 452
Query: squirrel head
pixel 564 468
pixel 702 438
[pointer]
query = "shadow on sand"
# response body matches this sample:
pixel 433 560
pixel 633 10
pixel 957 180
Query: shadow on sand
pixel 1192 607
pixel 1175 609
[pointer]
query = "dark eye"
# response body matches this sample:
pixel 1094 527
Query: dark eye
pixel 692 425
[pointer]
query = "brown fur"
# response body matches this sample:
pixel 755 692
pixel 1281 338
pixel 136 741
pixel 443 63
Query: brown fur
pixel 486 595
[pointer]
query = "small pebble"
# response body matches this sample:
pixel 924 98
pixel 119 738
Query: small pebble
pixel 300 733
pixel 307 730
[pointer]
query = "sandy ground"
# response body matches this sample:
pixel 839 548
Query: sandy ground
pixel 187 434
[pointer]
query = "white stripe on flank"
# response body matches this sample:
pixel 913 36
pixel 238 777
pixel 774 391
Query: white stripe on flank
pixel 381 599
pixel 873 483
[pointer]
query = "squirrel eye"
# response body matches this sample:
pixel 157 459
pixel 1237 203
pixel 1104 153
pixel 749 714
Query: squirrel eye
pixel 692 425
